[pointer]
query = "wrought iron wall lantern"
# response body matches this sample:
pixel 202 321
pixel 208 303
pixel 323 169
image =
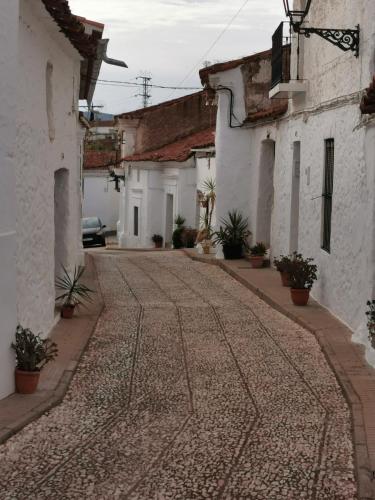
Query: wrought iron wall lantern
pixel 116 175
pixel 345 39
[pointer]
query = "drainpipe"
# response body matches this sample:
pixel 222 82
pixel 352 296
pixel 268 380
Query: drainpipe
pixel 113 62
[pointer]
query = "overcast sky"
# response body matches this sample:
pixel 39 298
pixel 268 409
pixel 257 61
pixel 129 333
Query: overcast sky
pixel 167 38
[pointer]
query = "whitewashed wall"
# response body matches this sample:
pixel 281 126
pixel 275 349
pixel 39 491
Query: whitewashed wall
pixel 38 157
pixel 8 106
pixel 100 198
pixel 147 185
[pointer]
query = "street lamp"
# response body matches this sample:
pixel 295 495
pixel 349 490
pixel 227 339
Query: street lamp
pixel 296 16
pixel 345 39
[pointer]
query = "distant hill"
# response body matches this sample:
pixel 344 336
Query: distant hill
pixel 98 116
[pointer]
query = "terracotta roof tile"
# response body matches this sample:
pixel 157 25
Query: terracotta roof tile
pixel 98 159
pixel 273 112
pixel 368 100
pixel 71 27
pixel 177 151
pixel 226 66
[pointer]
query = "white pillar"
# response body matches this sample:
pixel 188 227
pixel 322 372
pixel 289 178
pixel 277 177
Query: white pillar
pixel 8 134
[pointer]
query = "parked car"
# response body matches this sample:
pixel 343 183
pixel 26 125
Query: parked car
pixel 93 231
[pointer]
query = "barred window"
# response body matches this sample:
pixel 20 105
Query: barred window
pixel 136 220
pixel 327 193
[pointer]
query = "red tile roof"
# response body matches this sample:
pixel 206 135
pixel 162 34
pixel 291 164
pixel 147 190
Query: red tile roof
pixel 138 113
pixel 177 151
pixel 226 66
pixel 72 27
pixel 273 112
pixel 95 160
pixel 368 100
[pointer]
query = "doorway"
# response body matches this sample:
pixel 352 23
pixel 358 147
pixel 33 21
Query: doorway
pixel 294 208
pixel 265 192
pixel 61 217
pixel 169 221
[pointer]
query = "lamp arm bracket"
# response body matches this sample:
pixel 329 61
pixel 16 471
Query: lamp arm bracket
pixel 345 39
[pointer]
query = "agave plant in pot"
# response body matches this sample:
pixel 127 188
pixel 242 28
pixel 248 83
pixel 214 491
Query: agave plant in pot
pixel 74 292
pixel 282 264
pixel 32 354
pixel 257 253
pixel 302 277
pixel 233 235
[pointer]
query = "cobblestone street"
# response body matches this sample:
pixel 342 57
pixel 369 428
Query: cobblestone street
pixel 191 388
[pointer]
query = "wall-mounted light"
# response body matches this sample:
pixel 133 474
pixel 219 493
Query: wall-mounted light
pixel 345 39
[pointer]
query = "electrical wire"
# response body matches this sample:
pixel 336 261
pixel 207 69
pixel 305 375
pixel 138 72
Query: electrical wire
pixel 119 83
pixel 234 17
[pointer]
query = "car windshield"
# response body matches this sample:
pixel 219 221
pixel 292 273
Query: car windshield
pixel 90 223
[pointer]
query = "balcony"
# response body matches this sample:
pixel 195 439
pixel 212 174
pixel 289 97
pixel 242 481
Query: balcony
pixel 282 87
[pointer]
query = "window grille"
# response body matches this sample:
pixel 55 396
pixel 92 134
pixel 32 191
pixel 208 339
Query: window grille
pixel 327 193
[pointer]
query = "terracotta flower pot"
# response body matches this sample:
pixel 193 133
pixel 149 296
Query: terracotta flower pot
pixel 300 297
pixel 26 382
pixel 256 261
pixel 371 331
pixel 285 278
pixel 158 244
pixel 67 311
pixel 206 249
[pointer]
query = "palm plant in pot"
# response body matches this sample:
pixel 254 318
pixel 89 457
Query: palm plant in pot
pixel 257 253
pixel 302 277
pixel 74 292
pixel 282 264
pixel 32 354
pixel 233 235
pixel 207 200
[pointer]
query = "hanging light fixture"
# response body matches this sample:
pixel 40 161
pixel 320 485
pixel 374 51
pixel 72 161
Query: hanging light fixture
pixel 296 16
pixel 345 39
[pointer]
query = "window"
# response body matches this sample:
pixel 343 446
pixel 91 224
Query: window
pixel 327 193
pixel 136 221
pixel 138 175
pixel 49 101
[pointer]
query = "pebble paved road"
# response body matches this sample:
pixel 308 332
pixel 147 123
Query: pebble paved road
pixel 191 388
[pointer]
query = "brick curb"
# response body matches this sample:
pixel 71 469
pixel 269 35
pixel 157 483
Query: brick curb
pixel 360 441
pixel 54 396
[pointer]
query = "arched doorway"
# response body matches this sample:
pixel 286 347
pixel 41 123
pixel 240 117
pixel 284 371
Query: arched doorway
pixel 61 195
pixel 265 192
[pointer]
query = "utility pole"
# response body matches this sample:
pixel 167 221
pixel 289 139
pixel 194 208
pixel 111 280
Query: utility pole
pixel 146 90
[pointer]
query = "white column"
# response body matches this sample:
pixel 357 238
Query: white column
pixel 8 133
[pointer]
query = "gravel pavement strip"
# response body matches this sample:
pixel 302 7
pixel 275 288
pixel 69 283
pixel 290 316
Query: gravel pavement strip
pixel 191 387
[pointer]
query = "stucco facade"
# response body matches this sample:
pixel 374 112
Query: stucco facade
pixel 8 106
pixel 278 174
pixel 40 162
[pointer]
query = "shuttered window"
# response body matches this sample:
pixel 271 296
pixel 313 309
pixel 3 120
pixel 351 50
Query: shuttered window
pixel 327 193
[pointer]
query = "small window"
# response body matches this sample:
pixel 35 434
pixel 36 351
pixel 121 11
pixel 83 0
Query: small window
pixel 327 193
pixel 138 175
pixel 136 221
pixel 49 101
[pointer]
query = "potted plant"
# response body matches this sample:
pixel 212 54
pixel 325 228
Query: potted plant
pixel 189 236
pixel 282 264
pixel 302 277
pixel 257 253
pixel 32 354
pixel 207 200
pixel 233 235
pixel 75 292
pixel 158 240
pixel 370 313
pixel 177 233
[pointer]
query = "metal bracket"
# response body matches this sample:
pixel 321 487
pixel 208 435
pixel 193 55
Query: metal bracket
pixel 344 39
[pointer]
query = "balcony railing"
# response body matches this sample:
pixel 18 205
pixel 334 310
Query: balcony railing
pixel 280 55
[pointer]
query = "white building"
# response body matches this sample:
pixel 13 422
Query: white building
pixel 100 197
pixel 47 63
pixel 162 167
pixel 305 178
